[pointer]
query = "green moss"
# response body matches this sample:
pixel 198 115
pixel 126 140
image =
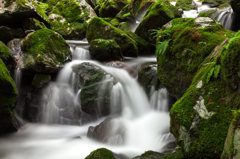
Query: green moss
pixel 207 13
pixel 185 4
pixel 45 48
pixel 230 63
pixel 8 90
pixel 100 29
pixel 101 153
pixel 188 46
pixel 174 155
pixel 158 14
pixel 40 79
pixel 5 53
pixel 207 135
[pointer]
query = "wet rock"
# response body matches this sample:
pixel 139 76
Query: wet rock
pixel 105 50
pixel 156 16
pixel 100 29
pixel 6 56
pixel 215 3
pixel 122 65
pixel 109 8
pixel 183 54
pixel 8 96
pixel 96 87
pixel 110 131
pixel 5 34
pixel 137 7
pixel 44 51
pixel 39 80
pixel 103 153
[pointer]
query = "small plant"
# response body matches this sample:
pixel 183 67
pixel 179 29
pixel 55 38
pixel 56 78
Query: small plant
pixel 162 48
pixel 213 72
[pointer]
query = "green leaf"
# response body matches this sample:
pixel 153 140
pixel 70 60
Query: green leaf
pixel 209 75
pixel 216 71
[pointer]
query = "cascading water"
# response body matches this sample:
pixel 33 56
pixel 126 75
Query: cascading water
pixel 225 16
pixel 140 125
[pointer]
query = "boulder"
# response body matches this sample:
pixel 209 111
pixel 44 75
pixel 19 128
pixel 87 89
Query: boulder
pixel 6 56
pixel 44 51
pixel 157 15
pixel 201 119
pixel 215 3
pixel 105 50
pixel 110 131
pixel 185 4
pixel 182 47
pixel 235 6
pixel 70 17
pixel 110 8
pixel 100 29
pixel 101 153
pixel 96 87
pixel 8 96
pixel 138 7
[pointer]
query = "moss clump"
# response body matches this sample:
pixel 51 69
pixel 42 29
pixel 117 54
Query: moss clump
pixel 186 46
pixel 45 50
pixel 7 88
pixel 105 50
pixel 139 6
pixel 158 14
pixel 206 135
pixel 185 4
pixel 40 79
pixel 100 29
pixel 207 13
pixel 231 62
pixel 110 8
pixel 5 53
pixel 101 153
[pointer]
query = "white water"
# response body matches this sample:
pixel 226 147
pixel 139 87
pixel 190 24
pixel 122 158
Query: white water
pixel 193 13
pixel 144 123
pixel 225 16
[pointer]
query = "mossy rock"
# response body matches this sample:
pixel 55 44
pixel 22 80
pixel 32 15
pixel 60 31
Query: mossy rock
pixel 110 8
pixel 230 63
pixel 70 17
pixel 207 13
pixel 185 4
pixel 150 155
pixel 95 91
pixel 157 15
pixel 39 80
pixel 215 3
pixel 45 51
pixel 5 53
pixel 105 50
pixel 232 145
pixel 201 118
pixel 101 153
pixel 138 7
pixel 8 96
pixel 182 47
pixel 100 29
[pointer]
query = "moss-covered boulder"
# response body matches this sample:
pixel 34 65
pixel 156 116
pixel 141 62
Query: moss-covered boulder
pixel 101 153
pixel 200 120
pixel 100 29
pixel 6 55
pixel 157 15
pixel 45 51
pixel 140 6
pixel 8 95
pixel 96 87
pixel 185 4
pixel 105 50
pixel 150 155
pixel 182 47
pixel 232 145
pixel 110 8
pixel 69 17
pixel 215 3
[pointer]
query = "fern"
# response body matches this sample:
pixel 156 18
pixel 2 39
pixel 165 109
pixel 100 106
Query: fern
pixel 162 48
pixel 213 72
pixel 209 75
pixel 216 71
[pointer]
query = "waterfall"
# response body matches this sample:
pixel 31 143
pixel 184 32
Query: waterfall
pixel 135 124
pixel 225 16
